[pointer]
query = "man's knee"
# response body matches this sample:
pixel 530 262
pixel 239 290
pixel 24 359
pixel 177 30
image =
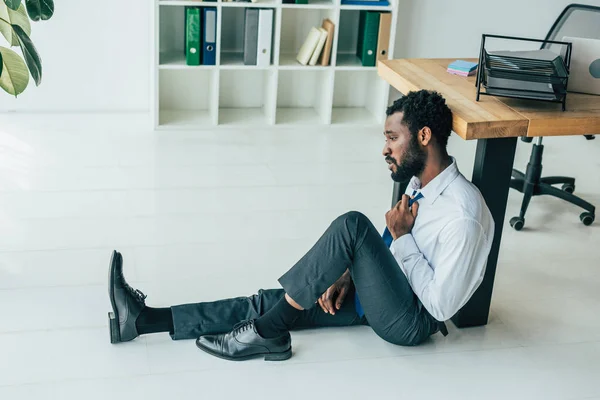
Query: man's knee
pixel 351 217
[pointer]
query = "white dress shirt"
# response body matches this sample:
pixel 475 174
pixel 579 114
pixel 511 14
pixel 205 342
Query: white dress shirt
pixel 445 255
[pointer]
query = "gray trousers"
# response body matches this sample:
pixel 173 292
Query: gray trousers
pixel 351 242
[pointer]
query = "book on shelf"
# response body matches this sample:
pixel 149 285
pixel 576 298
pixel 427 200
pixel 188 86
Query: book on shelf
pixel 368 30
pixel 209 39
pixel 264 37
pixel 373 39
pixel 250 36
pixel 258 36
pixel 372 3
pixel 200 35
pixel 193 22
pixel 319 47
pixel 383 36
pixel 325 56
pixel 308 47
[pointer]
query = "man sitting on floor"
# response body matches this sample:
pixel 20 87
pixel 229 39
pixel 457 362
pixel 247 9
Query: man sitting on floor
pixel 427 265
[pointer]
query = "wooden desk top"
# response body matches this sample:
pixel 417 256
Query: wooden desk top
pixel 492 117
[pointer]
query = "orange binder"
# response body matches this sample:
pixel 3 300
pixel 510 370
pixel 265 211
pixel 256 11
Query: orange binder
pixel 383 40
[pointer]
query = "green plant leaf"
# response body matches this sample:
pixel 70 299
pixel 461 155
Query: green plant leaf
pixel 15 77
pixel 32 58
pixel 14 4
pixel 1 65
pixel 10 17
pixel 40 9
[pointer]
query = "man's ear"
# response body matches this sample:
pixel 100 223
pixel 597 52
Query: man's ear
pixel 424 136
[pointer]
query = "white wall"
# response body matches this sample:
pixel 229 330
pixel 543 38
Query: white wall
pixel 91 64
pixel 453 28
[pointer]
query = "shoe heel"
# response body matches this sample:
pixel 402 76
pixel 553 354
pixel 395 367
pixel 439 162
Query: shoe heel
pixel 115 336
pixel 279 356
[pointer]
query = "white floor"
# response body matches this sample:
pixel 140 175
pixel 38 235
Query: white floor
pixel 206 215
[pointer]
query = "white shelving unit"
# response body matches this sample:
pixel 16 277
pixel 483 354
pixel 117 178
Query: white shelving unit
pixel 284 93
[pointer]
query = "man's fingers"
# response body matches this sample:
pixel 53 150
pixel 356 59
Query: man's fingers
pixel 321 304
pixel 403 203
pixel 415 208
pixel 341 297
pixel 329 300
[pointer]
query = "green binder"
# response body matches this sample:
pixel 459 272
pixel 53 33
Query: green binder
pixel 193 42
pixel 368 31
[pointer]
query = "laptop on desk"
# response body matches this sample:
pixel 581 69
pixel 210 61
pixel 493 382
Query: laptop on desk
pixel 584 75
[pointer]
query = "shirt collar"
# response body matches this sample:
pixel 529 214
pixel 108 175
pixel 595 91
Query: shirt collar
pixel 433 189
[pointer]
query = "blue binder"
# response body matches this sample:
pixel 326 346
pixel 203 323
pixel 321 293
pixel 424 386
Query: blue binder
pixel 209 39
pixel 377 3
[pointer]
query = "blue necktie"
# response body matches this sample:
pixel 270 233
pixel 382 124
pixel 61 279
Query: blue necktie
pixel 388 239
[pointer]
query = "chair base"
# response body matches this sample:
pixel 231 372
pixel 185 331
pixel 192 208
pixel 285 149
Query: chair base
pixel 531 183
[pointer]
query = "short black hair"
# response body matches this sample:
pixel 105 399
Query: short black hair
pixel 425 108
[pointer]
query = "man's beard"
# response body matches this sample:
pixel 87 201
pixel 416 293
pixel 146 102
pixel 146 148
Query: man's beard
pixel 413 163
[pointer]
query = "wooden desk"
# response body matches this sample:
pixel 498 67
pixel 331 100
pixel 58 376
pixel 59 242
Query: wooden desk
pixel 495 123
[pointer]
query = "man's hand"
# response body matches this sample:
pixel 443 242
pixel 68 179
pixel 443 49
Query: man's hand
pixel 401 219
pixel 341 287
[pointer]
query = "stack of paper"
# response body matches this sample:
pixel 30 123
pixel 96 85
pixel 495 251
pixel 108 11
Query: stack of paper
pixel 462 68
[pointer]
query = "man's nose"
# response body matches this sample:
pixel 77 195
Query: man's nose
pixel 386 151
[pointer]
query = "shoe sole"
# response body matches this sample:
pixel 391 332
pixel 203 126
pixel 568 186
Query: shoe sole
pixel 113 317
pixel 286 355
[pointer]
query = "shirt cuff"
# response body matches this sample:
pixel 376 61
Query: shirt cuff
pixel 404 246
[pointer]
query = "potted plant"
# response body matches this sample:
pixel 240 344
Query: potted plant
pixel 15 27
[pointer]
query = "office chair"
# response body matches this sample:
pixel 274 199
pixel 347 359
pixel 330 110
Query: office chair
pixel 576 20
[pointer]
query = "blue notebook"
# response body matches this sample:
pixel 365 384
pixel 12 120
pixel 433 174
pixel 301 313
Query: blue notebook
pixel 462 65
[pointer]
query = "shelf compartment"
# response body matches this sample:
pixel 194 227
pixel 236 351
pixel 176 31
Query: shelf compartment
pixel 187 98
pixel 348 37
pixel 349 61
pixel 295 25
pixel 172 35
pixel 246 4
pixel 313 4
pixel 232 37
pixel 366 7
pixel 191 3
pixel 304 97
pixel 247 97
pixel 357 98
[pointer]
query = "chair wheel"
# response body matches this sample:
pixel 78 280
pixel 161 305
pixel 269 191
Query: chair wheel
pixel 517 223
pixel 587 218
pixel 567 187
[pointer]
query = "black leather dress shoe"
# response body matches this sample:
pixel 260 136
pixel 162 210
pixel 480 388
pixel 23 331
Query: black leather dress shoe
pixel 244 342
pixel 127 303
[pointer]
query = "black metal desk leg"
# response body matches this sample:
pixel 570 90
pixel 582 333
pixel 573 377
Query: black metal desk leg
pixel 491 174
